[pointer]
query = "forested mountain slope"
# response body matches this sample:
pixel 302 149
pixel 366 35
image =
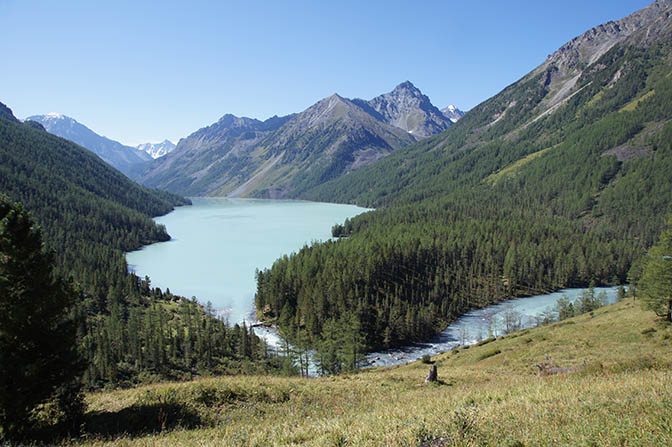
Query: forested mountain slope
pixel 90 214
pixel 77 199
pixel 526 193
pixel 126 159
pixel 530 115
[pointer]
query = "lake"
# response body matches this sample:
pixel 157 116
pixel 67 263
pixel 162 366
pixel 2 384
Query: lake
pixel 217 244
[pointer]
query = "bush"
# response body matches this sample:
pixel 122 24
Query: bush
pixel 485 355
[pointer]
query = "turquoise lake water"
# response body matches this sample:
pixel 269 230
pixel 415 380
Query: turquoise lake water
pixel 217 244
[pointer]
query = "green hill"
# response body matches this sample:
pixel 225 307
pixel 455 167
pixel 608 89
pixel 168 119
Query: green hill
pixel 488 394
pixel 562 179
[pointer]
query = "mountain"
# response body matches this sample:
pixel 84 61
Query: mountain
pixel 124 158
pixel 156 150
pixel 593 75
pixel 208 159
pixel 288 156
pixel 80 202
pixel 560 180
pixel 279 157
pixel 452 113
pixel 89 215
pixel 407 108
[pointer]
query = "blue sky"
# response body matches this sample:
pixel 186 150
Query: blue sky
pixel 139 71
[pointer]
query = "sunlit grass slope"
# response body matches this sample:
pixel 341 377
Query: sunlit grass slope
pixel 489 394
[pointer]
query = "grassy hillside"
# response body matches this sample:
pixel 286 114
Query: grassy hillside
pixel 488 395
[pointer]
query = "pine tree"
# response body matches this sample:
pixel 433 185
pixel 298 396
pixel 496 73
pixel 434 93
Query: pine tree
pixel 38 357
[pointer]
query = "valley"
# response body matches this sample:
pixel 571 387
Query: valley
pixel 357 229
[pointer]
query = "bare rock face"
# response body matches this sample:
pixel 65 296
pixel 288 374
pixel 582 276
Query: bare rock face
pixel 407 108
pixel 591 45
pixel 286 156
pixel 565 66
pixel 195 166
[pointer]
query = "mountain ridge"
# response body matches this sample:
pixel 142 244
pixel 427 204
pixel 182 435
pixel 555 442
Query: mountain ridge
pixel 126 159
pixel 518 108
pixel 284 156
pixel 407 108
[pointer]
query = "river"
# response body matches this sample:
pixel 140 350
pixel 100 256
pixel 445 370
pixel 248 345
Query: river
pixel 483 323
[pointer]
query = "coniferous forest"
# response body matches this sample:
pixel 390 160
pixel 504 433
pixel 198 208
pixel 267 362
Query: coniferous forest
pixel 486 212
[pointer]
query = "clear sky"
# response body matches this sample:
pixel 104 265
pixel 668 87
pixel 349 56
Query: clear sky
pixel 138 71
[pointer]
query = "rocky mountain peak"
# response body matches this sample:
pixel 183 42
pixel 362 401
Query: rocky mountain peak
pixel 408 108
pixel 332 101
pixel 230 120
pixel 157 150
pixel 407 87
pixel 565 66
pixel 591 45
pixel 56 116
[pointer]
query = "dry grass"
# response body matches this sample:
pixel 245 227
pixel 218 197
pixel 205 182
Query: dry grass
pixel 622 397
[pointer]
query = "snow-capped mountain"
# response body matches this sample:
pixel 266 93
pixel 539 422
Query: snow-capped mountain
pixel 156 150
pixel 452 113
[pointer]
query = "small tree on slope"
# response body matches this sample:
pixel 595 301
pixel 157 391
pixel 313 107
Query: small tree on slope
pixel 655 284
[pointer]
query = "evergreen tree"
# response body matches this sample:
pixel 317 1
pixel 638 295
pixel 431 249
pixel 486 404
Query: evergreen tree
pixel 655 284
pixel 38 357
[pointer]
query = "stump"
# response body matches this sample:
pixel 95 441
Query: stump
pixel 433 375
